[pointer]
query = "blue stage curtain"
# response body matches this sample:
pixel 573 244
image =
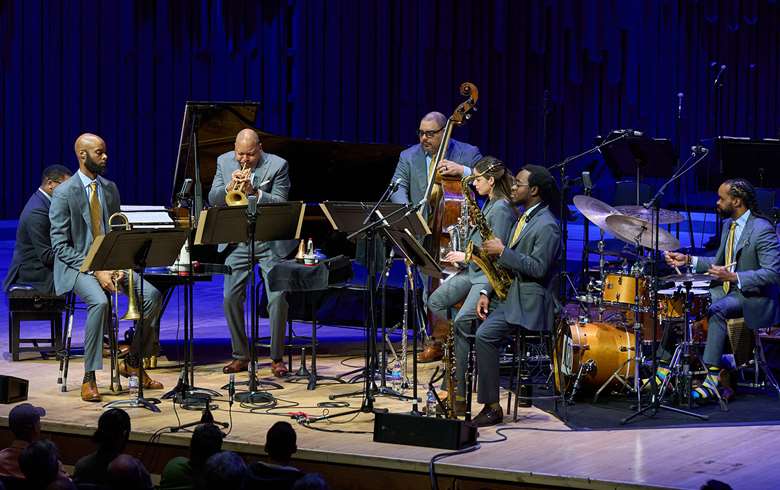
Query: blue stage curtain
pixel 366 71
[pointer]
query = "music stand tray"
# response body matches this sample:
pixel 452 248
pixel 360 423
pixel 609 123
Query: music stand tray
pixel 135 250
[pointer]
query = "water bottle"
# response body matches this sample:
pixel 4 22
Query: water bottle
pixel 132 386
pixel 396 379
pixel 430 404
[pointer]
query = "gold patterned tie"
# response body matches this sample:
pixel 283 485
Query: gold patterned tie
pixel 95 211
pixel 729 253
pixel 518 229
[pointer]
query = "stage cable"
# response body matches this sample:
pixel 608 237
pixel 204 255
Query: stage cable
pixel 440 456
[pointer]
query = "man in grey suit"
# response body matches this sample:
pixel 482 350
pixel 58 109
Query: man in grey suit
pixel 33 260
pixel 747 272
pixel 79 212
pixel 532 255
pixel 269 180
pixel 412 174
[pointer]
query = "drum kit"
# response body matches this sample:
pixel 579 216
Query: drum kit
pixel 606 346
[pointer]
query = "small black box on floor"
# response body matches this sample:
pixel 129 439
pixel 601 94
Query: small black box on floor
pixel 418 430
pixel 12 389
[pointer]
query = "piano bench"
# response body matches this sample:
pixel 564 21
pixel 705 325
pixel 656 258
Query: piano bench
pixel 25 304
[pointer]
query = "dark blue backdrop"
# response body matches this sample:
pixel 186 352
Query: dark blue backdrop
pixel 367 70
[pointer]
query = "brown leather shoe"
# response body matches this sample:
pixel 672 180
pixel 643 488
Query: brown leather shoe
pixel 279 368
pixel 89 392
pixel 236 366
pixel 488 416
pixel 433 352
pixel 149 383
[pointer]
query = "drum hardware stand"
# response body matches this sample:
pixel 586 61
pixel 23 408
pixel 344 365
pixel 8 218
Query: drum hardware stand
pixel 656 401
pixel 587 368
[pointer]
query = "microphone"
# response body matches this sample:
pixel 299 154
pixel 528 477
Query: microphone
pixel 232 388
pixel 251 208
pixel 395 185
pixel 629 132
pixel 720 73
pixel 680 96
pixel 699 149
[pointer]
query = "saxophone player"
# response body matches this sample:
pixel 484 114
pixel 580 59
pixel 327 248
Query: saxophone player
pixel 493 180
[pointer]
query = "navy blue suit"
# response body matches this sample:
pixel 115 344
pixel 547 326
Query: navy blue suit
pixel 33 259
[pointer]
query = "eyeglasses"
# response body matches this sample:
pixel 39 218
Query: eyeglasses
pixel 428 134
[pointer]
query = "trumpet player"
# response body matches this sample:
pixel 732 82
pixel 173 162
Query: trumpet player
pixel 246 171
pixel 79 212
pixel 493 180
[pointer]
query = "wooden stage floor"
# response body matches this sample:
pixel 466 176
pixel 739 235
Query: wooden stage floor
pixel 541 452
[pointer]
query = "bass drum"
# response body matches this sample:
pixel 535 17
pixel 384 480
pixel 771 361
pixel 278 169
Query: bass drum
pixel 601 349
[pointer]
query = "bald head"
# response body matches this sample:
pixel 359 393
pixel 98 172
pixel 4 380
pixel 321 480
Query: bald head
pixel 436 117
pixel 248 148
pixel 91 153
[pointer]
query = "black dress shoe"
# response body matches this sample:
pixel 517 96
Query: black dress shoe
pixel 488 416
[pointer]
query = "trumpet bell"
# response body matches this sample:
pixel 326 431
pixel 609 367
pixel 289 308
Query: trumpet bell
pixel 236 198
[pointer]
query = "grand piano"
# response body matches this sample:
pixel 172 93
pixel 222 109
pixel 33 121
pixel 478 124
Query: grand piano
pixel 319 171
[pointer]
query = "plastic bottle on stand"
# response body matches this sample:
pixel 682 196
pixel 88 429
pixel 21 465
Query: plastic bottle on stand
pixel 132 386
pixel 396 379
pixel 430 404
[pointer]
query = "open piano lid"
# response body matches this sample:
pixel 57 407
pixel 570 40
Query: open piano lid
pixel 320 170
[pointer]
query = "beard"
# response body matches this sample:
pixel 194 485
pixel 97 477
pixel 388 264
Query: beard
pixel 94 166
pixel 725 212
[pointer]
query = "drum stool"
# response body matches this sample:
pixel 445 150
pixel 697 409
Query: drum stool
pixel 27 304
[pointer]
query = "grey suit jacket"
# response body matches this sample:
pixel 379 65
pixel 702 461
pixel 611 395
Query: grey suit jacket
pixel 531 302
pixel 501 217
pixel 412 170
pixel 758 266
pixel 33 259
pixel 71 229
pixel 270 168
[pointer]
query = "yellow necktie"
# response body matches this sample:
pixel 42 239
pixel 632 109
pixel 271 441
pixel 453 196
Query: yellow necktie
pixel 95 211
pixel 729 252
pixel 519 228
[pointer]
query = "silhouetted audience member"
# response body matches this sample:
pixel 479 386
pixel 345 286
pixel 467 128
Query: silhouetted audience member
pixel 312 481
pixel 62 484
pixel 280 445
pixel 40 463
pixel 715 485
pixel 111 438
pixel 24 421
pixel 185 473
pixel 224 471
pixel 128 473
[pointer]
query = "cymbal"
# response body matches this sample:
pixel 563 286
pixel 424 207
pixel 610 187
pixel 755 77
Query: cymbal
pixel 688 277
pixel 665 216
pixel 640 232
pixel 593 209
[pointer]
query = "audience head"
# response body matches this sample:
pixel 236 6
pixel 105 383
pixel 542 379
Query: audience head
pixel 206 441
pixel 24 420
pixel 280 442
pixel 225 470
pixel 113 430
pixel 312 481
pixel 40 463
pixel 62 483
pixel 127 472
pixel 52 176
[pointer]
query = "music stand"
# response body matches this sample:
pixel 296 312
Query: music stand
pixel 234 224
pixel 135 250
pixel 350 217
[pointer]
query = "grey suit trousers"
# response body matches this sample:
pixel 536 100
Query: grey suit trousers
pixel 234 299
pixel 489 336
pixel 448 293
pixel 88 289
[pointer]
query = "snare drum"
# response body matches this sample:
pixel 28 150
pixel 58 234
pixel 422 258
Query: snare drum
pixel 603 348
pixel 621 290
pixel 671 304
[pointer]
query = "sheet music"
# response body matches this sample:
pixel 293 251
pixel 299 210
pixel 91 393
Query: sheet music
pixel 148 216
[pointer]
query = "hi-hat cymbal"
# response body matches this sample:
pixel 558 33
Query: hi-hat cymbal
pixel 637 231
pixel 688 277
pixel 665 216
pixel 593 209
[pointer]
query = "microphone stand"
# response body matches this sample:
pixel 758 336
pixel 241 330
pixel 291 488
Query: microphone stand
pixel 565 181
pixel 656 402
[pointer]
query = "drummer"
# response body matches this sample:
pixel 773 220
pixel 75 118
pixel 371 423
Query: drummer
pixel 746 271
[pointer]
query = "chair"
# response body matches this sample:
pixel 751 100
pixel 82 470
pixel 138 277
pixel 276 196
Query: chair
pixel 749 355
pixel 27 304
pixel 520 377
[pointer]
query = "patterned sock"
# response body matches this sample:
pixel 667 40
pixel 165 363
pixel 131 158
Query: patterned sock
pixel 709 387
pixel 132 360
pixel 88 376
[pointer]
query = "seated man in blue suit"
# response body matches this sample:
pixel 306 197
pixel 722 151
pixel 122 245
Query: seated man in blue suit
pixel 746 269
pixel 79 212
pixel 33 260
pixel 412 174
pixel 266 176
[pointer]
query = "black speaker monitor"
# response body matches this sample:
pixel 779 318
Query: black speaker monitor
pixel 12 389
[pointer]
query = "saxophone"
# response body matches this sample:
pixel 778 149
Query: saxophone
pixel 499 277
